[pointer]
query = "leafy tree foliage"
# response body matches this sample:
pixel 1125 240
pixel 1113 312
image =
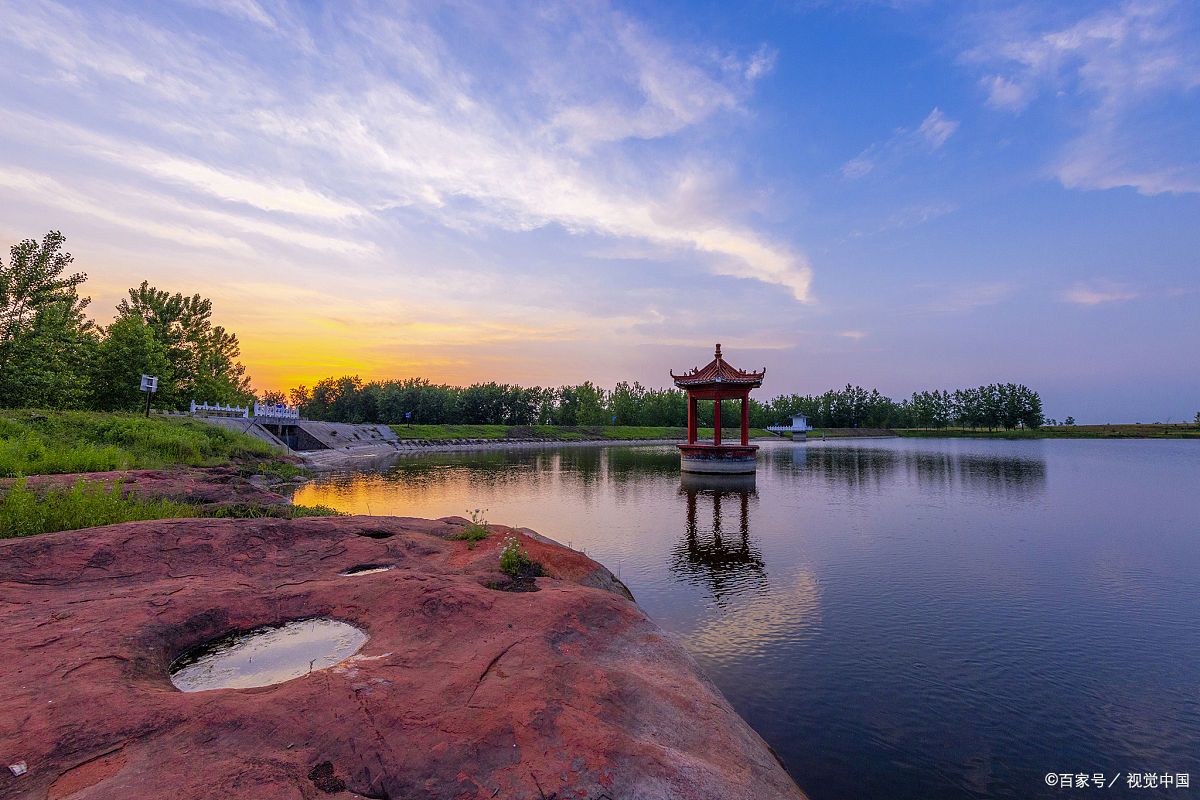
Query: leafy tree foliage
pixel 128 350
pixel 349 399
pixel 203 356
pixel 53 356
pixel 46 341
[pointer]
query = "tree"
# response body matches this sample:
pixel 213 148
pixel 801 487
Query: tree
pixel 204 357
pixel 272 398
pixel 300 396
pixel 128 350
pixel 1069 421
pixel 46 342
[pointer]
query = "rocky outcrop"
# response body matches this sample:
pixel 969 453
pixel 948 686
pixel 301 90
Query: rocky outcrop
pixel 461 691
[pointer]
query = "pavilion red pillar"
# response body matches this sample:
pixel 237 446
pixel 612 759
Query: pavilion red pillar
pixel 717 421
pixel 745 421
pixel 691 419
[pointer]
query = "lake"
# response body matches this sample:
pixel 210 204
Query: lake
pixel 898 618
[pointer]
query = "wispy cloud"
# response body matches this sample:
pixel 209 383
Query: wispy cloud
pixel 1098 293
pixel 962 299
pixel 936 128
pixel 933 132
pixel 389 115
pixel 246 10
pixel 1123 68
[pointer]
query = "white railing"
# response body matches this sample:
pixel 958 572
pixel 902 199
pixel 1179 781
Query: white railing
pixel 276 411
pixel 218 410
pixel 799 425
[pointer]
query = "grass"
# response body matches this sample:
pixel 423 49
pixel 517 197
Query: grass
pixel 1124 431
pixel 560 433
pixel 53 442
pixel 85 505
pixel 476 530
pixel 24 512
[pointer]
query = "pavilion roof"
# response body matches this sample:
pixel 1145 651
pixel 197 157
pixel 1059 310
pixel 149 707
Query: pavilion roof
pixel 718 372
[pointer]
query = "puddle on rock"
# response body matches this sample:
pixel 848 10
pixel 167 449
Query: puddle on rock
pixel 366 569
pixel 267 655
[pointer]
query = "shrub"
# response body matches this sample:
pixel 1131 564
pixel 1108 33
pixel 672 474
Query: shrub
pixel 515 562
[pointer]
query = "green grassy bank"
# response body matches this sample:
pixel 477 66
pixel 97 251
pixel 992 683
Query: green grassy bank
pixel 558 433
pixel 89 504
pixel 56 442
pixel 1155 431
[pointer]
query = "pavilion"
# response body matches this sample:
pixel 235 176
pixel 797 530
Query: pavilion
pixel 716 382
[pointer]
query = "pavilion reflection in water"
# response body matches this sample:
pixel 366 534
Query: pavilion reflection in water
pixel 714 553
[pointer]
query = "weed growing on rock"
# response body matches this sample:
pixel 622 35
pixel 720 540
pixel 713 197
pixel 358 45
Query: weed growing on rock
pixel 476 530
pixel 514 561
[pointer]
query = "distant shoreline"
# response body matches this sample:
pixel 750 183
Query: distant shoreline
pixel 445 441
pixel 1117 431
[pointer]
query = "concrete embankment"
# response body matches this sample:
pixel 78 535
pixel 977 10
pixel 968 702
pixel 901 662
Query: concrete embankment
pixel 469 683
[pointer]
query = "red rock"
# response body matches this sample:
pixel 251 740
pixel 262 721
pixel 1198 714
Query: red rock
pixel 461 691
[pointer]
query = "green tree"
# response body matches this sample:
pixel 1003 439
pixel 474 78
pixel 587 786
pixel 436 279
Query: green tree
pixel 272 398
pixel 300 396
pixel 46 342
pixel 204 357
pixel 128 350
pixel 1069 421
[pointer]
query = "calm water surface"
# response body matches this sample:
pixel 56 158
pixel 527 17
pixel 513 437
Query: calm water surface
pixel 898 618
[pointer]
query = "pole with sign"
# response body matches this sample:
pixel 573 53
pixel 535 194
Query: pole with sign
pixel 149 386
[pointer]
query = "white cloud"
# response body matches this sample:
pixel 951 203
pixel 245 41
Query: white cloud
pixel 1004 93
pixel 933 132
pixel 937 128
pixel 247 10
pixel 855 335
pixel 1126 68
pixel 1098 293
pixel 396 116
pixel 858 166
pixel 760 64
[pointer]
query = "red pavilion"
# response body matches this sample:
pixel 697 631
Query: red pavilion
pixel 716 382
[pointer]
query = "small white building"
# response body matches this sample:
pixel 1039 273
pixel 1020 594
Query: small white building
pixel 798 429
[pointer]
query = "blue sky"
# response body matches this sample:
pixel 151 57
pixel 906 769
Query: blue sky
pixel 899 194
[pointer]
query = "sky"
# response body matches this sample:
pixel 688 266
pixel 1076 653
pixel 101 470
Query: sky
pixel 902 195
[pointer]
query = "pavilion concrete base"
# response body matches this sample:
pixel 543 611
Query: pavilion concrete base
pixel 718 459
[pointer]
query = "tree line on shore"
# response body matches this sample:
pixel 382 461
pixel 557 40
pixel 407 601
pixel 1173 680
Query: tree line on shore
pixel 53 356
pixel 416 400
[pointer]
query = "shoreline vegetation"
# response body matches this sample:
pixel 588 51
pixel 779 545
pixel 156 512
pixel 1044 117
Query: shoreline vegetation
pixel 48 442
pixel 113 446
pixel 110 445
pixel 1155 430
pixel 560 433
